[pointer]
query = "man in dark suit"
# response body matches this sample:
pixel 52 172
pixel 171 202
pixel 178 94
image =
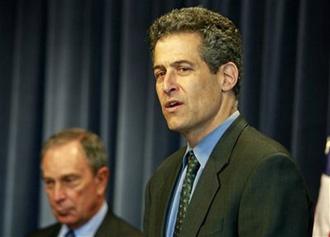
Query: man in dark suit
pixel 230 180
pixel 75 173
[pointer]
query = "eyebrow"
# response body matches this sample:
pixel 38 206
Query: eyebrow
pixel 157 67
pixel 62 176
pixel 174 64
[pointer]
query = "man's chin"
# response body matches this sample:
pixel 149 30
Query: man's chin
pixel 68 220
pixel 175 127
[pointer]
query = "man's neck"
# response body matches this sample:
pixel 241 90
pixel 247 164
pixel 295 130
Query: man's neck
pixel 90 227
pixel 195 136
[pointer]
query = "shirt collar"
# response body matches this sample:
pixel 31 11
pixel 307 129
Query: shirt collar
pixel 90 228
pixel 205 147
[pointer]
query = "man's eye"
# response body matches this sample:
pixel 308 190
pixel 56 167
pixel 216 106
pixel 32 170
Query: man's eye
pixel 183 69
pixel 159 74
pixel 70 181
pixel 49 183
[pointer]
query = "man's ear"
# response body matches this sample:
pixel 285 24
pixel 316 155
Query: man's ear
pixel 102 177
pixel 230 73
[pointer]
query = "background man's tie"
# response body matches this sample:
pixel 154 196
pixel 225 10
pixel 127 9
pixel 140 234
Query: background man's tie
pixel 193 166
pixel 70 233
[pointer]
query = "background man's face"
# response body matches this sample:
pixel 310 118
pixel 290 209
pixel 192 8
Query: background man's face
pixel 75 194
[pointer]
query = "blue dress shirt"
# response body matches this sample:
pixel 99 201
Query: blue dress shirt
pixel 202 152
pixel 89 229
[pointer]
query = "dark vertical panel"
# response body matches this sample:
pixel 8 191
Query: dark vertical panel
pixel 279 70
pixel 96 40
pixel 311 90
pixel 252 30
pixel 25 119
pixel 111 44
pixel 7 32
pixel 328 104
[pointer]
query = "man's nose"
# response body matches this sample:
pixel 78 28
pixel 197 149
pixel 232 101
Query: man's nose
pixel 59 193
pixel 170 82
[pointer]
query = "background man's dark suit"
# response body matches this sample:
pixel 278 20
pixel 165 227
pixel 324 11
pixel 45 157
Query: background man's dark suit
pixel 111 226
pixel 249 187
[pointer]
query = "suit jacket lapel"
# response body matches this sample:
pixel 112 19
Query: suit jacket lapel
pixel 106 225
pixel 209 183
pixel 168 187
pixel 55 230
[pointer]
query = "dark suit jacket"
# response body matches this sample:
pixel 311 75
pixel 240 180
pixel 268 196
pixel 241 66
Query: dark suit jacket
pixel 111 226
pixel 249 188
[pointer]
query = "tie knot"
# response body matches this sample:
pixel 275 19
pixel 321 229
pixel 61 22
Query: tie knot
pixel 193 163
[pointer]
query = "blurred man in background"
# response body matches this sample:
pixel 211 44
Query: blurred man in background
pixel 75 174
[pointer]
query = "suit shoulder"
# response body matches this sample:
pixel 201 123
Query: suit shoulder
pixel 253 148
pixel 256 142
pixel 51 230
pixel 170 163
pixel 120 227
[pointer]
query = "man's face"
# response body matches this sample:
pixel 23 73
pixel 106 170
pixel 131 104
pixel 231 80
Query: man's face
pixel 189 94
pixel 75 194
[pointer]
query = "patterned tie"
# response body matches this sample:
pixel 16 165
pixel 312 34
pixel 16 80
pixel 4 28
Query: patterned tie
pixel 193 166
pixel 70 233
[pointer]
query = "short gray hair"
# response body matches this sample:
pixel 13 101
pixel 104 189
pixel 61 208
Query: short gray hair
pixel 91 143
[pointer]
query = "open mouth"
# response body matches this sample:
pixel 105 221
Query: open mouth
pixel 172 104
